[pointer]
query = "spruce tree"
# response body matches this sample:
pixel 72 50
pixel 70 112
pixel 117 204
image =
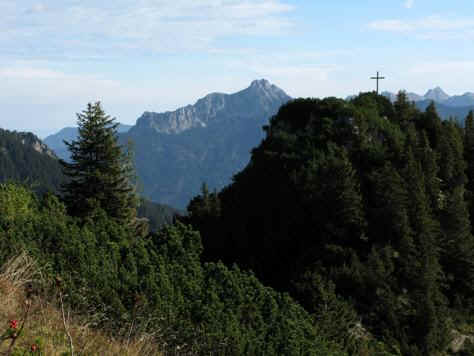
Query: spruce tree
pixel 469 160
pixel 457 250
pixel 99 174
pixel 405 109
pixel 393 263
pixel 428 159
pixel 430 305
pixel 431 122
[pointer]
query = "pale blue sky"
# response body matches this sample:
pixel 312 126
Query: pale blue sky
pixel 137 55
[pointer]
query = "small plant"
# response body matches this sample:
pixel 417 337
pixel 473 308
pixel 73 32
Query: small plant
pixel 12 333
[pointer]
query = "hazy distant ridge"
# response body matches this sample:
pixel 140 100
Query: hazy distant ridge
pixel 55 141
pixel 438 95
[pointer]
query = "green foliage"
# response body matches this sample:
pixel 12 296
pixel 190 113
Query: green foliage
pixel 157 215
pixel 158 282
pixel 359 210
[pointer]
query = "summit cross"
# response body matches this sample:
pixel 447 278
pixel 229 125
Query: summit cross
pixel 378 77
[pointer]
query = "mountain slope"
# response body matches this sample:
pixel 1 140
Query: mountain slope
pixel 467 99
pixel 445 111
pixel 24 158
pixel 175 152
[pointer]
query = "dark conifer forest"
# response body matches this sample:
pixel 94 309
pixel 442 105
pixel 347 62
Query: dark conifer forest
pixel 362 212
pixel 350 232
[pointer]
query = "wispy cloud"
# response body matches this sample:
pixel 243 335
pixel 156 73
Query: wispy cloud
pixel 432 27
pixel 409 3
pixel 45 99
pixel 71 26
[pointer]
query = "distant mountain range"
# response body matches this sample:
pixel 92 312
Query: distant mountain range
pixel 208 142
pixel 438 95
pixel 455 106
pixel 458 113
pixel 55 141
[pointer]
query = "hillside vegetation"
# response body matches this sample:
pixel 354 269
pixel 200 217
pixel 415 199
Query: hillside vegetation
pixel 348 233
pixel 157 283
pixel 45 326
pixel 103 262
pixel 25 158
pixel 364 208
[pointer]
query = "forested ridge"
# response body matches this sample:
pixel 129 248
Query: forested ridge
pixel 24 158
pixel 362 211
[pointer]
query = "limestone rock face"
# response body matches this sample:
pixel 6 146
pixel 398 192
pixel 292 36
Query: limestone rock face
pixel 259 97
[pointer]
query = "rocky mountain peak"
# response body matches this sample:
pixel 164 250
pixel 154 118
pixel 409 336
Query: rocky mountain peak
pixel 259 101
pixel 264 86
pixel 436 94
pixel 261 83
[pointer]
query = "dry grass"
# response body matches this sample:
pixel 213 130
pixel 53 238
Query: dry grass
pixel 47 325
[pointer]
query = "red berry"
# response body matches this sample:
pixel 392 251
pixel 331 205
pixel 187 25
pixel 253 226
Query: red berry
pixel 13 324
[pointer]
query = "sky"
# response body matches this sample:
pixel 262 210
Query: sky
pixel 158 55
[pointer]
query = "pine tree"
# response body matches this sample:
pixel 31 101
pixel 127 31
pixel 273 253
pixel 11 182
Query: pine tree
pixel 451 163
pixel 428 159
pixel 100 173
pixel 393 265
pixel 469 159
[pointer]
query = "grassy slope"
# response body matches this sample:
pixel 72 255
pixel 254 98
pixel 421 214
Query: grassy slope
pixel 45 325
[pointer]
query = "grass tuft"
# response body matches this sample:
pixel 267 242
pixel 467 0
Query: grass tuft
pixel 44 327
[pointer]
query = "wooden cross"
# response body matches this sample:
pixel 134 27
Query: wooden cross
pixel 378 77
